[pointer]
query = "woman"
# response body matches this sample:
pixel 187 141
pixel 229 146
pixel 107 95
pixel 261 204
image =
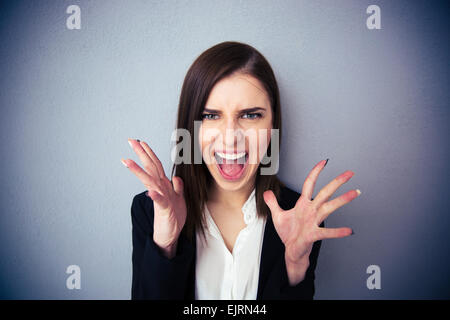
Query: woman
pixel 224 228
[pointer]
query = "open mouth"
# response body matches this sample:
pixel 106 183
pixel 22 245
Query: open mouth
pixel 231 165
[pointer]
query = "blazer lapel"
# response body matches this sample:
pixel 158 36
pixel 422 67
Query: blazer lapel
pixel 273 247
pixel 271 251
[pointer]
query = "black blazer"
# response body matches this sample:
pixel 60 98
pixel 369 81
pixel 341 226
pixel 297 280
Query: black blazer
pixel 156 277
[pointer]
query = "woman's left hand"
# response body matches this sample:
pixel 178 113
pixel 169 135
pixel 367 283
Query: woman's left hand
pixel 299 228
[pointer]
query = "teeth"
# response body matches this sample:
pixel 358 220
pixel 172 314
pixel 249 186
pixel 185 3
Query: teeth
pixel 231 156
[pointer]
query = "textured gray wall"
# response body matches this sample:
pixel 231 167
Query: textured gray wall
pixel 373 101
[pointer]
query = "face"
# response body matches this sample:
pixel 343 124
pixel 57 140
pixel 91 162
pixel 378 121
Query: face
pixel 235 130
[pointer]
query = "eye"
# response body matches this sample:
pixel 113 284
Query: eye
pixel 249 115
pixel 209 116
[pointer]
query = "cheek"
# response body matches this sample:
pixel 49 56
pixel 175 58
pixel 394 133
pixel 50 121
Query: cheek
pixel 268 136
pixel 258 144
pixel 200 137
pixel 264 139
pixel 205 138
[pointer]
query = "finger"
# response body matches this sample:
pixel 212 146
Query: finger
pixel 272 203
pixel 178 185
pixel 158 198
pixel 310 182
pixel 146 160
pixel 327 208
pixel 148 181
pixel 331 188
pixel 331 233
pixel 154 158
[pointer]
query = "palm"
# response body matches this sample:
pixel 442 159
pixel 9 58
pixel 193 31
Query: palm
pixel 291 226
pixel 168 196
pixel 299 227
pixel 170 211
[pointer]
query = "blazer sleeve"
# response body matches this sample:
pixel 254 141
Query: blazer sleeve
pixel 305 289
pixel 278 287
pixel 154 275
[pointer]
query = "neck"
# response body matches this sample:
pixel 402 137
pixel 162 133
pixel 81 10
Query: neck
pixel 234 199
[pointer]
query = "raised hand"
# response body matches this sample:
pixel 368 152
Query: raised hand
pixel 298 227
pixel 167 196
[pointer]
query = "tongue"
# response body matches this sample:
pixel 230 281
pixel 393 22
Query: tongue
pixel 231 169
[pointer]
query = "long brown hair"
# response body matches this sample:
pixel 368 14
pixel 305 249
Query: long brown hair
pixel 213 65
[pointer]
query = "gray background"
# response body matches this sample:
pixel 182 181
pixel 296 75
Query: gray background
pixel 373 101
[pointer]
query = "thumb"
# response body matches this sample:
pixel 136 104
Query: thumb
pixel 272 203
pixel 178 185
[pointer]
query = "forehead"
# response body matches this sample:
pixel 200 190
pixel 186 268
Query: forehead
pixel 238 91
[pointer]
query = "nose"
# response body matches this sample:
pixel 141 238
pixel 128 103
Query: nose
pixel 233 135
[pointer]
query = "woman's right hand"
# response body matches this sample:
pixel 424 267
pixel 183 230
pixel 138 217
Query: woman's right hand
pixel 167 196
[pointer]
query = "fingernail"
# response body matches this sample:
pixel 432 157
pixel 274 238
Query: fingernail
pixel 326 163
pixel 130 143
pixel 123 162
pixel 358 191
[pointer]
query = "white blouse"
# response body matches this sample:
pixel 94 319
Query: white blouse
pixel 221 275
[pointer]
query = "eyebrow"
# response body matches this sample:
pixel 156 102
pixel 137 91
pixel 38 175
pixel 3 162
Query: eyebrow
pixel 253 109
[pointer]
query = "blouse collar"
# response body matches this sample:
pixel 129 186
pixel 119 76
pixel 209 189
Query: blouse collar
pixel 248 210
